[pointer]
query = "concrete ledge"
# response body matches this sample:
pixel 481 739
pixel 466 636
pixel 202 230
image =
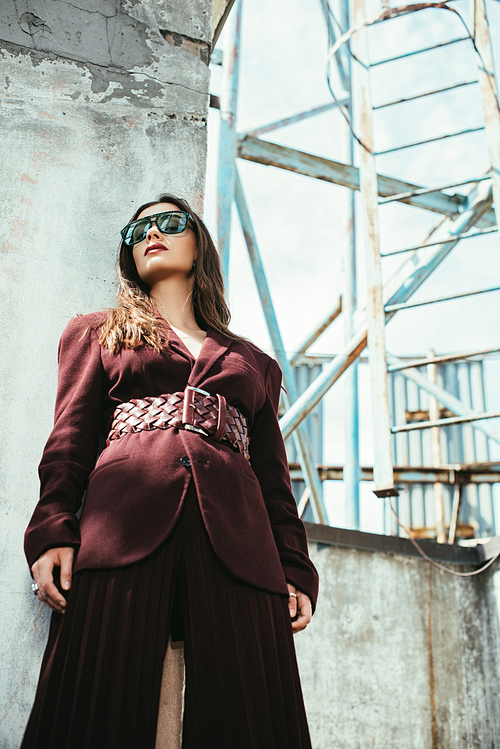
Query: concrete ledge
pixel 451 553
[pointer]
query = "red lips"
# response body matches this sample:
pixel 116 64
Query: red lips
pixel 155 246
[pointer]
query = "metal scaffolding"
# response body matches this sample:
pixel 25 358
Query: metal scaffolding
pixel 423 419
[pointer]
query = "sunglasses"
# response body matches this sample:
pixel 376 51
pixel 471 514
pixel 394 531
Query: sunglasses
pixel 170 222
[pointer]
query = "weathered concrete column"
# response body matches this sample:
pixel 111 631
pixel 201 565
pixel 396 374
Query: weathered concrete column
pixel 103 105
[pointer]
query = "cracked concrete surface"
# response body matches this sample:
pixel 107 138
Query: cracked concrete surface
pixel 194 47
pixel 364 659
pixel 98 113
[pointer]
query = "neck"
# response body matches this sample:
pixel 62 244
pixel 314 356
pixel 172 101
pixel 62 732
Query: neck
pixel 173 299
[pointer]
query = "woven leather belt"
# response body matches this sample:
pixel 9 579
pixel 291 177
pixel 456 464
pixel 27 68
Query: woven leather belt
pixel 194 410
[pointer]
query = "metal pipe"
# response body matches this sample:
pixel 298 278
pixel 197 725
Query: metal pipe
pixel 437 359
pixel 228 141
pixel 444 422
pixel 409 305
pixel 465 235
pixel 384 479
pixel 419 51
pixel 300 436
pixel 430 140
pixel 424 94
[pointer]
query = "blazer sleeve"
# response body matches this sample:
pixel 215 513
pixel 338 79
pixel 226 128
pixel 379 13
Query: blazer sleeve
pixel 269 462
pixel 71 450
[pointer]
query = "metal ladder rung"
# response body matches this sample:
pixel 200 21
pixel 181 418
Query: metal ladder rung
pixel 444 422
pixel 465 235
pixel 430 140
pixel 427 190
pixel 419 51
pixel 409 305
pixel 426 93
pixel 438 359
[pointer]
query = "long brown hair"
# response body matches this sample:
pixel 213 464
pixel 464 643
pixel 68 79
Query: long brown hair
pixel 133 323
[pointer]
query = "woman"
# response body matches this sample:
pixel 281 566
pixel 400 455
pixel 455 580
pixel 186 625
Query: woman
pixel 189 527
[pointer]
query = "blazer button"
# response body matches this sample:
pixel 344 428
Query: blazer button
pixel 185 461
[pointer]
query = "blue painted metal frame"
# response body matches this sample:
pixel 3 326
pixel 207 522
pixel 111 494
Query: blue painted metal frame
pixel 309 470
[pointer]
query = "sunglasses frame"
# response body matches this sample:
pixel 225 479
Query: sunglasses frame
pixel 154 220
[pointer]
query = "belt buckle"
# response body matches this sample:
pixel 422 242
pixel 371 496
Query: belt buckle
pixel 196 390
pixel 186 425
pixel 192 428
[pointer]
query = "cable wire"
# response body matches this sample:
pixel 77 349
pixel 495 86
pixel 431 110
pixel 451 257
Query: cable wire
pixel 436 564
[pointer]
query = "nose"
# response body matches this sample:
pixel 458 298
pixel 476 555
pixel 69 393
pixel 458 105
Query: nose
pixel 153 233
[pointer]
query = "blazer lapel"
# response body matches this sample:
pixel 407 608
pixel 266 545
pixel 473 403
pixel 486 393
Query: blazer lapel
pixel 214 346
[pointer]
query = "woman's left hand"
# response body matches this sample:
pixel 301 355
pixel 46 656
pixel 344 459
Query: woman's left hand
pixel 303 604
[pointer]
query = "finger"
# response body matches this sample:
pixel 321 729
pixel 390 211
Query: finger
pixel 301 622
pixel 44 598
pixel 292 605
pixel 66 559
pixel 52 597
pixel 305 613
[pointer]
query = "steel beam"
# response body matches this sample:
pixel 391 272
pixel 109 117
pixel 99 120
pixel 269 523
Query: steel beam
pixel 446 474
pixel 399 288
pixel 489 91
pixel 227 134
pixel 425 190
pixel 383 473
pixel 300 162
pixel 341 58
pixel 352 469
pixel 302 446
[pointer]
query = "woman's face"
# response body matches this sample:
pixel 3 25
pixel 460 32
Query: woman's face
pixel 161 256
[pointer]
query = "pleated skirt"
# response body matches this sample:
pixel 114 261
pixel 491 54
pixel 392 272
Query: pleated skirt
pixel 100 678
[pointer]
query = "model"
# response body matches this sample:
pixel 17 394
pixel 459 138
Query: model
pixel 189 527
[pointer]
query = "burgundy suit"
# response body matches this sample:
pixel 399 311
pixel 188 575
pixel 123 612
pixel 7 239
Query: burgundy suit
pixel 135 491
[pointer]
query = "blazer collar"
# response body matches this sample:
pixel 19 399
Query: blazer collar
pixel 214 346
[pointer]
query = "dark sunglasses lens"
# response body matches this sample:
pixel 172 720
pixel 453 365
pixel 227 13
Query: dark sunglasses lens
pixel 135 231
pixel 139 230
pixel 171 223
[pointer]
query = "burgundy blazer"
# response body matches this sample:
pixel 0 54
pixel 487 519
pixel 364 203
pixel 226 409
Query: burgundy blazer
pixel 135 490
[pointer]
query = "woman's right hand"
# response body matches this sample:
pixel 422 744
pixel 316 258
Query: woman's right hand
pixel 43 575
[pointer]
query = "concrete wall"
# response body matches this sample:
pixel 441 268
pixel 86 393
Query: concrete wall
pixel 400 655
pixel 103 104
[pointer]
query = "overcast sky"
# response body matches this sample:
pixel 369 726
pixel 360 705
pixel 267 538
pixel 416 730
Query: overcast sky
pixel 300 222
